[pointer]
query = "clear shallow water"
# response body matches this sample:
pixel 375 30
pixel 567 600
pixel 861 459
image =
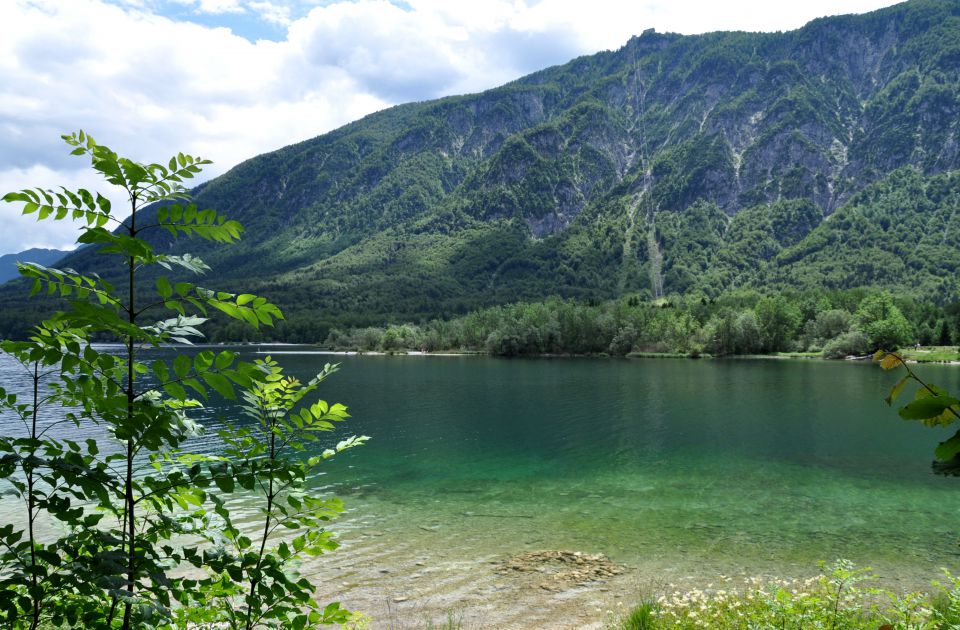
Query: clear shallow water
pixel 668 466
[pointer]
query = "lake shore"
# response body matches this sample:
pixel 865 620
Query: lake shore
pixel 416 582
pixel 912 356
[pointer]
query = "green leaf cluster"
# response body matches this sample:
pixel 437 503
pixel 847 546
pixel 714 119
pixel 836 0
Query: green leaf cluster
pixel 931 405
pixel 144 540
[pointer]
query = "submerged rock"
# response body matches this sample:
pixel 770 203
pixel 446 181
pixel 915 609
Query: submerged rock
pixel 563 569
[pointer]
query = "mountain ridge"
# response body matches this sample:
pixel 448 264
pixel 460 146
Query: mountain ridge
pixel 619 172
pixel 39 255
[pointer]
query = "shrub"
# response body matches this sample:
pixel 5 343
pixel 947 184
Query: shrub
pixel 852 343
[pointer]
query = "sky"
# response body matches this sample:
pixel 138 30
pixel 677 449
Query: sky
pixel 230 79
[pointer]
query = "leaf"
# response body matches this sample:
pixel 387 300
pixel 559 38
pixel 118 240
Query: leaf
pixel 103 203
pixel 176 390
pixel 203 361
pixel 164 288
pixel 929 407
pixel 890 361
pixel 225 359
pixel 930 390
pixel 948 449
pixel 161 371
pixel 896 389
pixel 181 365
pixel 224 482
pixel 220 383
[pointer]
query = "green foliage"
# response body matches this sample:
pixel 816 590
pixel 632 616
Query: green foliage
pixel 269 459
pixel 778 321
pixel 853 343
pixel 640 618
pixel 131 512
pixel 742 322
pixel 826 325
pixel 944 338
pixel 883 323
pixel 843 598
pixel 734 332
pixel 931 405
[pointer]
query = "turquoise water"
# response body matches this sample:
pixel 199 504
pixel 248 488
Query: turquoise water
pixel 740 464
pixel 667 466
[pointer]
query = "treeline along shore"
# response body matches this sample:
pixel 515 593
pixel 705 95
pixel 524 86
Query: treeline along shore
pixel 830 324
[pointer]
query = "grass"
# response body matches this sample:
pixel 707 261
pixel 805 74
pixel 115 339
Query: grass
pixel 843 598
pixel 640 618
pixel 665 355
pixel 931 354
pixel 454 621
pixel 800 355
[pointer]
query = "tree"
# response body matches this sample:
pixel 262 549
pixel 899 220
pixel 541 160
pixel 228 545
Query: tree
pixel 778 321
pixel 943 334
pixel 883 323
pixel 827 325
pixel 623 341
pixel 733 332
pixel 122 506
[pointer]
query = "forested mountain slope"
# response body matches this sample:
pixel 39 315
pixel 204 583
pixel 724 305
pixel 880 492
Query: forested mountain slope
pixel 674 164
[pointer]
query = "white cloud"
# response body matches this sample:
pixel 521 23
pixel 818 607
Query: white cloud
pixel 273 13
pixel 24 231
pixel 219 6
pixel 150 86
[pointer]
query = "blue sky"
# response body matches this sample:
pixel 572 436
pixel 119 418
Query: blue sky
pixel 230 79
pixel 250 20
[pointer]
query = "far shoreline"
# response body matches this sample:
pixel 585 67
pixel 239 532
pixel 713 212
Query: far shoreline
pixel 286 348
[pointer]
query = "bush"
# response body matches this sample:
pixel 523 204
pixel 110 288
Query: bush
pixel 853 343
pixel 825 326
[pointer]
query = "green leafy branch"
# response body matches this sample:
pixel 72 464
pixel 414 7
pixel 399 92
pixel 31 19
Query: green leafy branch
pixel 255 454
pixel 931 405
pixel 63 204
pixel 67 282
pixel 207 224
pixel 119 572
pixel 152 182
pixel 206 370
pixel 246 307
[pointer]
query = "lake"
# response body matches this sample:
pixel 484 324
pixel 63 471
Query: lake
pixel 679 470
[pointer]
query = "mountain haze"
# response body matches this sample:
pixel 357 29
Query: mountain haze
pixel 823 156
pixel 46 257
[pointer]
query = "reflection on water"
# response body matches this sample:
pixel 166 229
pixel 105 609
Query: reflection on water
pixel 662 463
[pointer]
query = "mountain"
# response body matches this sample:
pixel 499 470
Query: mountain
pixel 676 164
pixel 45 257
